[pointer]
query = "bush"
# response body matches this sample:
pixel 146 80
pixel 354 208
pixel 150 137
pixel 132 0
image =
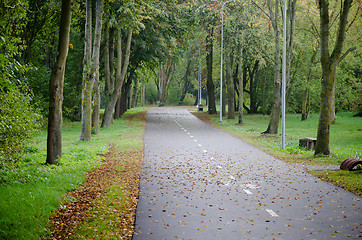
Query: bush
pixel 19 120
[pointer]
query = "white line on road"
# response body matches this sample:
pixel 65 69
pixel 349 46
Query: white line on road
pixel 199 145
pixel 195 140
pixel 247 191
pixel 272 213
pixel 205 151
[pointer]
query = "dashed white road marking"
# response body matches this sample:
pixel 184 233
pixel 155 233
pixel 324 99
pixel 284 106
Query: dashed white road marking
pixel 195 140
pixel 231 177
pixel 205 151
pixel 192 136
pixel 247 191
pixel 199 145
pixel 272 213
pixel 251 186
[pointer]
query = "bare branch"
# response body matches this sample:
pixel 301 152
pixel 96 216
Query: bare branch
pixel 346 53
pixel 260 8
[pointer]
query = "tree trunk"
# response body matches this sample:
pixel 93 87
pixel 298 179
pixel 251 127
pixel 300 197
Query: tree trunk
pixel 120 76
pixel 134 95
pixel 329 66
pixel 54 139
pixel 186 82
pixel 209 83
pixel 252 73
pixel 241 85
pixel 108 62
pixel 264 100
pixel 91 66
pixel 117 107
pixel 164 80
pixel 276 106
pixel 306 99
pixel 96 105
pixel 230 84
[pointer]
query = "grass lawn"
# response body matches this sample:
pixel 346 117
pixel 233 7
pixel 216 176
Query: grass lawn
pixel 31 191
pixel 345 142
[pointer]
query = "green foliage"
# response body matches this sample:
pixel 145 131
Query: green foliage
pixel 19 120
pixel 12 23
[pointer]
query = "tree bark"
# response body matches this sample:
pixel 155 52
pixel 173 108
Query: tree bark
pixel 96 105
pixel 306 99
pixel 276 106
pixel 230 84
pixel 209 83
pixel 241 85
pixel 120 76
pixel 108 62
pixel 186 82
pixel 134 94
pixel 91 66
pixel 252 73
pixel 329 67
pixel 54 139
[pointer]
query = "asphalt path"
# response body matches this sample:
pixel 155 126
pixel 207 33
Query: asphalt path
pixel 199 182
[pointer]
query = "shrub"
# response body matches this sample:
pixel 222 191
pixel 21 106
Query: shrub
pixel 19 120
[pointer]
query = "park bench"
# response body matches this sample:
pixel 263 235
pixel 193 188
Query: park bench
pixel 308 143
pixel 350 163
pixel 200 108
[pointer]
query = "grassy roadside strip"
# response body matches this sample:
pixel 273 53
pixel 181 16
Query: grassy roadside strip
pixel 110 214
pixel 30 191
pixel 346 141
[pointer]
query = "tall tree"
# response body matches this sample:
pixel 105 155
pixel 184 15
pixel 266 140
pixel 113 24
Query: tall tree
pixel 306 98
pixel 122 66
pixel 273 16
pixel 54 140
pixel 90 66
pixel 230 83
pixel 164 80
pixel 329 64
pixel 209 59
pixel 241 82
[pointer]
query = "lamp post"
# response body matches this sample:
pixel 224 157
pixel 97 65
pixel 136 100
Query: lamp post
pixel 284 71
pixel 199 81
pixel 283 65
pixel 221 53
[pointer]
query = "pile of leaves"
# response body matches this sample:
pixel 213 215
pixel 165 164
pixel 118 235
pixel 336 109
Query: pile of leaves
pixel 104 206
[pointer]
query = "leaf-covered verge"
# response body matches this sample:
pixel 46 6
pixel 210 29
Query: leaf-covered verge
pixel 346 139
pixel 31 192
pixel 105 204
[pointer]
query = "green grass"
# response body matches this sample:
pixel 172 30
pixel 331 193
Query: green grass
pixel 349 180
pixel 30 191
pixel 345 142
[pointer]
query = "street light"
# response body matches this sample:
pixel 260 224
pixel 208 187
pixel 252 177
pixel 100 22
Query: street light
pixel 199 81
pixel 283 64
pixel 222 46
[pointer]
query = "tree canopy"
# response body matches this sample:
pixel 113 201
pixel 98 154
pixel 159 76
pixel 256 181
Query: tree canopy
pixel 166 41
